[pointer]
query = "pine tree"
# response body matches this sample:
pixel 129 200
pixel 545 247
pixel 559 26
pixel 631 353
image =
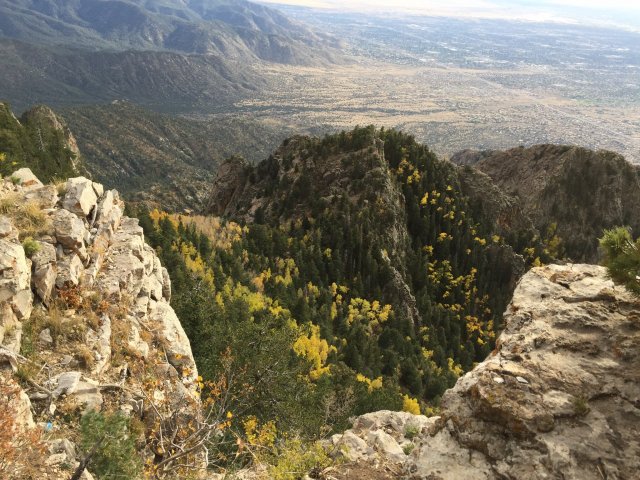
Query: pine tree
pixel 622 257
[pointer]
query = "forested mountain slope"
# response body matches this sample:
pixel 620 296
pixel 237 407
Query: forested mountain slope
pixel 568 192
pixel 40 140
pixel 366 235
pixel 164 160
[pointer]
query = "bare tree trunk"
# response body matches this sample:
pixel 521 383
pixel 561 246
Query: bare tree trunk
pixel 85 461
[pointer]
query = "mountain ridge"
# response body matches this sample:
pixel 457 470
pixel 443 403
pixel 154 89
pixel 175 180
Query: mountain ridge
pixel 166 54
pixel 569 192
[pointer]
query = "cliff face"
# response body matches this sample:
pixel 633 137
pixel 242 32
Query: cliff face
pixel 85 325
pixel 558 398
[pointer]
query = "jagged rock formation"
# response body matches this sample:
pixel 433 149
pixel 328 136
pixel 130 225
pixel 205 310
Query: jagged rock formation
pixel 558 398
pixel 229 181
pixel 579 190
pixel 85 321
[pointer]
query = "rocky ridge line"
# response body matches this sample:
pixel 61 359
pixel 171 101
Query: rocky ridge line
pixel 85 320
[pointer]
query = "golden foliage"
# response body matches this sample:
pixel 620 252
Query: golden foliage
pixel 410 405
pixel 371 384
pixel 314 349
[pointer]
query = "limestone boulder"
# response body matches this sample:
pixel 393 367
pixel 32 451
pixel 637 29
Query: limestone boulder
pixel 123 273
pixel 558 398
pixel 166 285
pixel 26 179
pixel 70 230
pixel 178 348
pixel 14 269
pixel 65 384
pixel 386 445
pixel 136 345
pixel 7 231
pixel 352 447
pixel 45 271
pixel 69 271
pixel 81 197
pixel 46 196
pixel 109 214
pixel 15 279
pixel 100 343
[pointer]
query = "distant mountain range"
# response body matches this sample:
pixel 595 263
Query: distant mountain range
pixel 171 54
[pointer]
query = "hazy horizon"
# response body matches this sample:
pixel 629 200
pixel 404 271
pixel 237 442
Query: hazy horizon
pixel 616 13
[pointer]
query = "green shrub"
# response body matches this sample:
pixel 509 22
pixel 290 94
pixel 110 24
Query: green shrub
pixel 30 246
pixel 581 406
pixel 622 257
pixel 410 431
pixel 296 458
pixel 115 457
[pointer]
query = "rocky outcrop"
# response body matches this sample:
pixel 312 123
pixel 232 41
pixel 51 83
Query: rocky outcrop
pixel 558 398
pixel 572 191
pixel 85 320
pixel 228 183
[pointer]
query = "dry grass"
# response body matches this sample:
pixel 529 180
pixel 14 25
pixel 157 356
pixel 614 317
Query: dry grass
pixel 28 217
pixel 85 356
pixel 60 185
pixel 120 334
pixel 60 327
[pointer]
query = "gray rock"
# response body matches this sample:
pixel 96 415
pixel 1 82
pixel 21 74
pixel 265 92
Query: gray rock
pixel 15 270
pixel 22 304
pixel 46 254
pixel 80 198
pixel 109 214
pixel 27 179
pixel 45 336
pixel 166 285
pixel 352 447
pixel 87 393
pixel 62 445
pixel 56 459
pixel 98 189
pixel 46 197
pixel 386 445
pixel 44 279
pixel 178 348
pixel 6 229
pixel 136 345
pixel 8 357
pixel 69 271
pixel 66 383
pixel 69 229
